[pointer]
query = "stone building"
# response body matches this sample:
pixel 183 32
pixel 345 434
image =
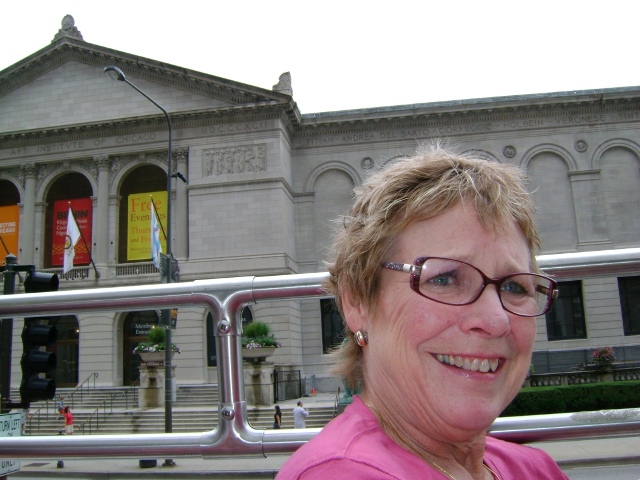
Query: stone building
pixel 265 183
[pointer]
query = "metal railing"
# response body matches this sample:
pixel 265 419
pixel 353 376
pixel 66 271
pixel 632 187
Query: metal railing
pixel 86 427
pixel 233 434
pixel 52 405
pixel 80 389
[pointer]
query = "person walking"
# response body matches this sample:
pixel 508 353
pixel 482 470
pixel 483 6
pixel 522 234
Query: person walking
pixel 299 415
pixel 277 418
pixel 60 407
pixel 68 421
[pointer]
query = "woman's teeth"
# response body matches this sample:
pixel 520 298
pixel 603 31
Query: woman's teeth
pixel 483 365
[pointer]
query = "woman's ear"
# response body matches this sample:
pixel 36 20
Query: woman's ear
pixel 356 314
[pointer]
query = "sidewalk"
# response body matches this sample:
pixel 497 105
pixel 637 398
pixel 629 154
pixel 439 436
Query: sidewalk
pixel 600 451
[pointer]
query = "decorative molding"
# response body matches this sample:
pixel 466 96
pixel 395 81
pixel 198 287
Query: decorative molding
pixel 581 146
pixel 234 160
pixel 509 151
pixel 15 174
pixel 284 84
pixel 366 163
pixel 483 154
pixel 68 29
pixel 102 162
pixel 181 154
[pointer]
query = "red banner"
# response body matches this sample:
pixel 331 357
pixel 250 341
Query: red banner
pixel 83 211
pixel 9 226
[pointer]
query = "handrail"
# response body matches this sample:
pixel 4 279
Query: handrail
pixel 132 388
pixel 38 415
pixel 79 388
pixel 96 412
pixel 233 434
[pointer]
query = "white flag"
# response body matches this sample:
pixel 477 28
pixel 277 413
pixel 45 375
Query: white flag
pixel 156 247
pixel 73 234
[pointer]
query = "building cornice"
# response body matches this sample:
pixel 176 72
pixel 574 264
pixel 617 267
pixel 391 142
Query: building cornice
pixel 530 106
pixel 67 49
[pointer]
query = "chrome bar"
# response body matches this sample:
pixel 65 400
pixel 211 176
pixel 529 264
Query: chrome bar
pixel 234 436
pixel 587 264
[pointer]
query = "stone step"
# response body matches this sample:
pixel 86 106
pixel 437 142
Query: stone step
pixel 152 421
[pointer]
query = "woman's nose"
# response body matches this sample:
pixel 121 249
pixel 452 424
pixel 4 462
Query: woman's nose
pixel 487 316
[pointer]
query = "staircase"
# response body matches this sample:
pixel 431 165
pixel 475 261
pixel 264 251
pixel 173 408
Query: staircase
pixel 195 410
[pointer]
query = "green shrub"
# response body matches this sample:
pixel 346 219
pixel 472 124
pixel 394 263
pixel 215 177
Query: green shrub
pixel 157 335
pixel 575 398
pixel 256 335
pixel 255 330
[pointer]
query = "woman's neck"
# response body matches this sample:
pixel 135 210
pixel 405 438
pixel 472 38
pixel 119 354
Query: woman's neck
pixel 458 460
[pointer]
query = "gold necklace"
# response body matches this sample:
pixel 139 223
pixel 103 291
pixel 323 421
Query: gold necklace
pixel 494 474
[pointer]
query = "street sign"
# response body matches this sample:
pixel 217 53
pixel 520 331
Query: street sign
pixel 10 426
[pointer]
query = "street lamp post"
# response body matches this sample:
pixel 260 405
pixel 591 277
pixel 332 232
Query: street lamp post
pixel 115 73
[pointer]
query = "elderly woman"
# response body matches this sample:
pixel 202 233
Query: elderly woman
pixel 436 279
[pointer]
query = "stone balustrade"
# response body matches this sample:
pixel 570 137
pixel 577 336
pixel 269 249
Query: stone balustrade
pixel 617 373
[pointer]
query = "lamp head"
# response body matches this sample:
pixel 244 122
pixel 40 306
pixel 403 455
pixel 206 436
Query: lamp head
pixel 114 73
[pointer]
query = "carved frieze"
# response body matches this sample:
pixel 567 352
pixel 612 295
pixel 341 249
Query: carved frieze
pixel 234 160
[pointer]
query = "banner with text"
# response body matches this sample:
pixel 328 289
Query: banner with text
pixel 83 211
pixel 139 223
pixel 9 226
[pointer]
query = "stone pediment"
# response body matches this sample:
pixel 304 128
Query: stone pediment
pixel 63 84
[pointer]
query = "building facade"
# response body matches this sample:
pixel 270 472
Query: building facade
pixel 265 185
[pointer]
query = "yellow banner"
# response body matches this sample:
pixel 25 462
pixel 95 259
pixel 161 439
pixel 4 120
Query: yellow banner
pixel 139 223
pixel 9 227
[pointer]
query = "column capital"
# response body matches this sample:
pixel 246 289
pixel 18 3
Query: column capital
pixel 181 154
pixel 102 161
pixel 28 169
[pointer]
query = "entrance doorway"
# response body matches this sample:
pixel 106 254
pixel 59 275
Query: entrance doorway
pixel 135 331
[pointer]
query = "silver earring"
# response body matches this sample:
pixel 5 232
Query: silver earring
pixel 361 338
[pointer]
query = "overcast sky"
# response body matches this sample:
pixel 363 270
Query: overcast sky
pixel 346 54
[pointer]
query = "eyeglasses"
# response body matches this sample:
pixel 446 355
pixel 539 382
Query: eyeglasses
pixel 453 282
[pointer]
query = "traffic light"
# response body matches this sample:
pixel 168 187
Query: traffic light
pixel 35 361
pixel 41 282
pixel 35 336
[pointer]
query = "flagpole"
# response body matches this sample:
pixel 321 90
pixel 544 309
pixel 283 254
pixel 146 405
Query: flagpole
pixel 84 241
pixel 155 211
pixel 3 244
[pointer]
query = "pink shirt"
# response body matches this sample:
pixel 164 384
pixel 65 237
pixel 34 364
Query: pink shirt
pixel 354 446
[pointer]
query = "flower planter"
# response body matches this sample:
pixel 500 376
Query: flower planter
pixel 258 354
pixel 153 356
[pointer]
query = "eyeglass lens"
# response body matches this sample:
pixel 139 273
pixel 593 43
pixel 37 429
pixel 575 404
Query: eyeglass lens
pixel 457 283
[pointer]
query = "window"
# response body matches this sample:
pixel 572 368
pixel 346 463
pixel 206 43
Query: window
pixel 332 327
pixel 629 289
pixel 566 319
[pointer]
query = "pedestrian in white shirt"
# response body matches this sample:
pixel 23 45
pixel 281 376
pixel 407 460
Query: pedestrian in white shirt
pixel 299 414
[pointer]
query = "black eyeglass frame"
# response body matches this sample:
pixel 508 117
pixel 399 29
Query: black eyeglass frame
pixel 415 269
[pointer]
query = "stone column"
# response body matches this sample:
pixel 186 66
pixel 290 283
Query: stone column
pixel 103 165
pixel 27 228
pixel 181 232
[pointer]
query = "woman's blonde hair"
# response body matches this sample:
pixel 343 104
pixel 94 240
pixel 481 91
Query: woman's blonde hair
pixel 412 190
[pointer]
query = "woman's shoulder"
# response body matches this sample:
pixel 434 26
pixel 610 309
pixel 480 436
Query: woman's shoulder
pixel 520 461
pixel 351 445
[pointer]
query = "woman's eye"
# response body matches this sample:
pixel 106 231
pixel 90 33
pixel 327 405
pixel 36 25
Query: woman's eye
pixel 442 280
pixel 514 287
